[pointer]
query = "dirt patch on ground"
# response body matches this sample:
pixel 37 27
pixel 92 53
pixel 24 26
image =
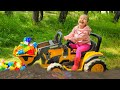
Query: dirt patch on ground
pixel 36 72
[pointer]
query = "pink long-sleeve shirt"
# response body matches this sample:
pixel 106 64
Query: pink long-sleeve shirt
pixel 80 36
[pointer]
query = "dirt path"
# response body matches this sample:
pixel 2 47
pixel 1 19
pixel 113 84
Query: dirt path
pixel 36 72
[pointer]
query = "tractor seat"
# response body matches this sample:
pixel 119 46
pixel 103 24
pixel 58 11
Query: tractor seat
pixel 92 48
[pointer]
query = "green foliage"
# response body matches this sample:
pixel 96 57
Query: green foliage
pixel 14 28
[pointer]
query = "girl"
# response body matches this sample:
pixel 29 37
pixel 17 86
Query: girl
pixel 80 35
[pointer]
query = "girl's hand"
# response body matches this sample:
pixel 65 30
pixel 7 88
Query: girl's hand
pixel 65 38
pixel 73 40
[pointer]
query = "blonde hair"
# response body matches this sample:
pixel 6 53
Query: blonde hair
pixel 84 15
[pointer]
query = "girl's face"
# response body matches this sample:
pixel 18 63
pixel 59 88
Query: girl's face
pixel 83 20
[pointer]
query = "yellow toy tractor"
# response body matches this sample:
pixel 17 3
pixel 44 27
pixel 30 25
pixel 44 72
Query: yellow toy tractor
pixel 55 56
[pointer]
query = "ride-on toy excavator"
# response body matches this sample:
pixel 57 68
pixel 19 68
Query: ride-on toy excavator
pixel 55 56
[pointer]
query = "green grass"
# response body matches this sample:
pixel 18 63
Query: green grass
pixel 14 28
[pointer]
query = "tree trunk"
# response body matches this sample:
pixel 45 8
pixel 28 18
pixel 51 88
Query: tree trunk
pixel 86 12
pixel 62 16
pixel 35 16
pixel 117 15
pixel 111 11
pixel 99 11
pixel 41 15
pixel 107 12
pixel 8 13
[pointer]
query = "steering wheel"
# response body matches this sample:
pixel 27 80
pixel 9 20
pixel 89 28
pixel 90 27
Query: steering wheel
pixel 58 38
pixel 68 42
